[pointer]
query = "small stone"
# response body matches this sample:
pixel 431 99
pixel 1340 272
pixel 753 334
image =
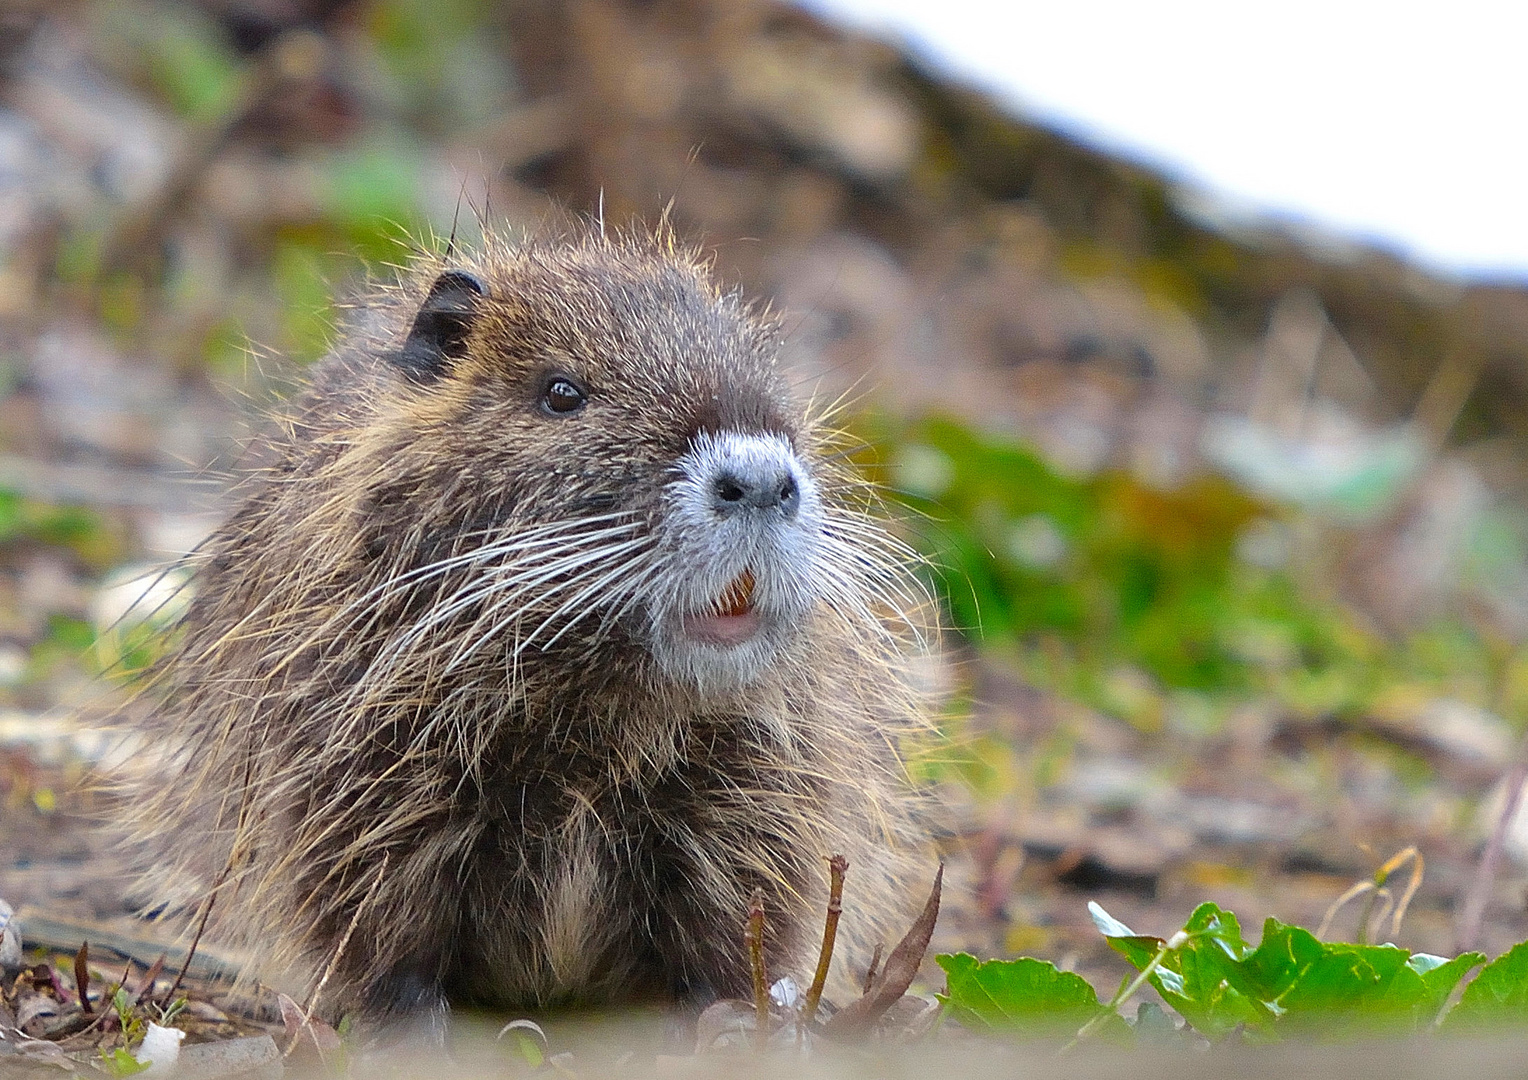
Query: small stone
pixel 254 1057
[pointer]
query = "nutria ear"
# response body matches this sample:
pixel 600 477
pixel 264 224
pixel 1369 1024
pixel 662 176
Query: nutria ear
pixel 439 333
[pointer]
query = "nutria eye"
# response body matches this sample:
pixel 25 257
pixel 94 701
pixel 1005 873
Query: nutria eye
pixel 563 397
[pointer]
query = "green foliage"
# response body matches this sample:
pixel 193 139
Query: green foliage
pixel 132 1024
pixel 439 64
pixel 193 67
pixel 1024 551
pixel 1499 995
pixel 1162 607
pixel 1290 984
pixel 1024 996
pixel 120 1062
pixel 179 52
pixel 80 530
pixel 372 191
pixel 168 1013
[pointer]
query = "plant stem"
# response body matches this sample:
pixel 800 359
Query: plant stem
pixel 753 937
pixel 837 866
pixel 870 972
pixel 1177 941
pixel 1479 894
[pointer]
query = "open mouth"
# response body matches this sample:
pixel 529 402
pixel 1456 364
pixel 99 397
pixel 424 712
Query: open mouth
pixel 732 619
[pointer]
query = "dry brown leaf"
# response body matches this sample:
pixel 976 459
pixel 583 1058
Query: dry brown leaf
pixel 855 1020
pixel 304 1031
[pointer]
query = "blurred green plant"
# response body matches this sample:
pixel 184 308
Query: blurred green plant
pixel 1161 607
pixel 82 531
pixel 1291 984
pixel 441 67
pixel 179 52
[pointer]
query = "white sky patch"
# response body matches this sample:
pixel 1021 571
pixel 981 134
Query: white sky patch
pixel 1400 123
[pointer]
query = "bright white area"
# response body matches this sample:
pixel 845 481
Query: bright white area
pixel 1393 121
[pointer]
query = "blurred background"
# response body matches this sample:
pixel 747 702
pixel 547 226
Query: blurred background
pixel 1229 513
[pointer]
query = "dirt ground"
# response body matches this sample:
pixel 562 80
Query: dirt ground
pixel 177 180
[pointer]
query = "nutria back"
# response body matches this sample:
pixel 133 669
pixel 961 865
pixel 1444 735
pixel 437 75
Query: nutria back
pixel 551 629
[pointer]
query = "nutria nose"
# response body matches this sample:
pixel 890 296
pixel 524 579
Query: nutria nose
pixel 744 481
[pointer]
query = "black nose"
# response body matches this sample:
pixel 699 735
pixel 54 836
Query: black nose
pixel 739 485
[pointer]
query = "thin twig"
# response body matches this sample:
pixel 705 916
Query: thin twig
pixel 339 951
pixel 857 1019
pixel 837 866
pixel 196 940
pixel 1177 941
pixel 1473 911
pixel 753 937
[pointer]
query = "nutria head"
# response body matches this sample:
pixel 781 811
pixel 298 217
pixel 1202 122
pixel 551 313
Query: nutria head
pixel 589 447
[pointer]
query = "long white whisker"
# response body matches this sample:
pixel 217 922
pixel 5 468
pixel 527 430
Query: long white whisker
pixel 597 559
pixel 509 579
pixel 532 540
pixel 606 584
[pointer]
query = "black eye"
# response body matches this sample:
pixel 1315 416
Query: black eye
pixel 562 396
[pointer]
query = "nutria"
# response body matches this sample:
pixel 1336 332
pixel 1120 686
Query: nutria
pixel 551 627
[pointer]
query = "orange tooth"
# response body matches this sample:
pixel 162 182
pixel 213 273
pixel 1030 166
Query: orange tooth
pixel 738 599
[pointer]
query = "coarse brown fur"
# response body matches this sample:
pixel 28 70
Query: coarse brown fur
pixel 412 709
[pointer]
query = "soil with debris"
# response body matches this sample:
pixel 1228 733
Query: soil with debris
pixel 180 179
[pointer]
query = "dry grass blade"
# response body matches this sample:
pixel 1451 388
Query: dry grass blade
pixel 1375 889
pixel 855 1019
pixel 1392 864
pixel 1357 889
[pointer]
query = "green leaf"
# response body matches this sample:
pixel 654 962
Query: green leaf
pixel 1440 975
pixel 1313 984
pixel 122 1063
pixel 1137 948
pixel 1497 997
pixel 1280 959
pixel 1360 984
pixel 529 1049
pixel 1107 924
pixel 1024 996
pixel 1203 979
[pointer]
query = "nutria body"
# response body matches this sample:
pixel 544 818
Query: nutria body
pixel 550 631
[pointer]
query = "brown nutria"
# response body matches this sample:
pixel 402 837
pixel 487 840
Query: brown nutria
pixel 550 630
